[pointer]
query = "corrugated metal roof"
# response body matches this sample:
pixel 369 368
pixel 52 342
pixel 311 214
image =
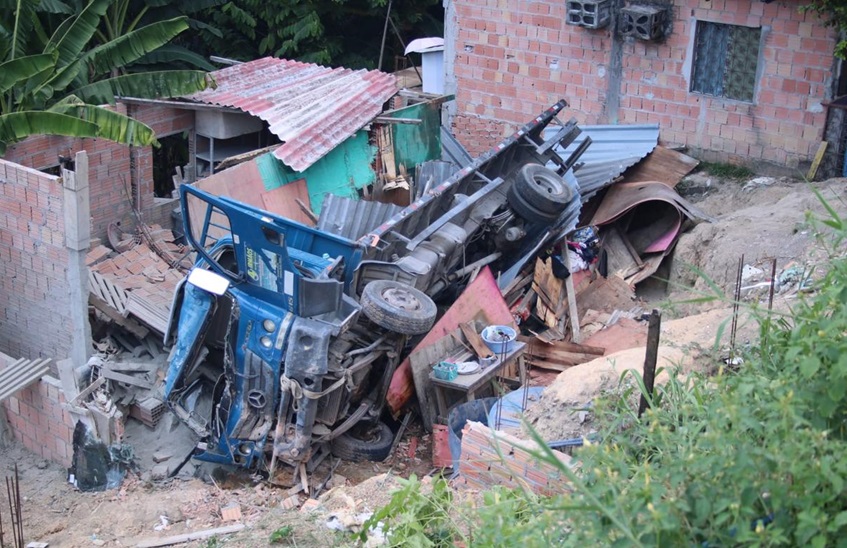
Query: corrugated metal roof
pixel 613 149
pixel 351 218
pixel 312 109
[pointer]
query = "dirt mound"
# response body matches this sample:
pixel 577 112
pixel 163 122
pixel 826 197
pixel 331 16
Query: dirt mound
pixel 564 409
pixel 763 219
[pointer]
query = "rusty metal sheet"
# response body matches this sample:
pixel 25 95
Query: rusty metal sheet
pixel 312 109
pixel 625 196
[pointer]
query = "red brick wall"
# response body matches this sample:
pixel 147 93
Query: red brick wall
pixel 109 166
pixel 35 319
pixel 512 63
pixel 40 423
pixel 164 121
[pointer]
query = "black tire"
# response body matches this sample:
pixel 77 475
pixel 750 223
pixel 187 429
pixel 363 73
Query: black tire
pixel 366 442
pixel 542 188
pixel 527 212
pixel 398 307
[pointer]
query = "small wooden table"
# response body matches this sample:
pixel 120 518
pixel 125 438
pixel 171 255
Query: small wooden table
pixel 469 384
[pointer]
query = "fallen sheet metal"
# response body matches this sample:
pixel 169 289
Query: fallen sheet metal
pixel 480 300
pixel 664 165
pixel 645 220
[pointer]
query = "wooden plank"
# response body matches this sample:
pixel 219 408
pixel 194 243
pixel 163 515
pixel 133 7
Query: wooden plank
pixel 284 199
pixel 475 340
pixel 85 392
pixel 188 537
pixel 664 165
pixel 127 379
pixel 573 312
pixel 568 346
pixel 549 290
pixel 813 169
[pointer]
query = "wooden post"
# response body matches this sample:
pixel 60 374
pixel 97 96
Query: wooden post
pixel 654 328
pixel 569 289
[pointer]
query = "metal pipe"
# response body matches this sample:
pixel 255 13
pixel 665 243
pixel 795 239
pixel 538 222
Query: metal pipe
pixel 476 264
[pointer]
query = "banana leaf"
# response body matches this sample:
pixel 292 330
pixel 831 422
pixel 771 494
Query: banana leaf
pixel 148 85
pixel 170 54
pixel 110 124
pixel 78 34
pixel 130 47
pixel 16 126
pixel 23 68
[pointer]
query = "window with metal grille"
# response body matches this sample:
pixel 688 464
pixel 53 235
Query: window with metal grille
pixel 725 60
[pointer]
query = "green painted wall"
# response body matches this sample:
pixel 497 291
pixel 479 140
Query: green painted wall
pixel 417 143
pixel 347 168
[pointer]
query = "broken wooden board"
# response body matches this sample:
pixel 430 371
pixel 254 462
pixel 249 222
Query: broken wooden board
pixel 605 294
pixel 188 537
pixel 567 346
pixel 126 379
pixel 549 290
pixel 475 340
pixel 622 258
pixel 664 165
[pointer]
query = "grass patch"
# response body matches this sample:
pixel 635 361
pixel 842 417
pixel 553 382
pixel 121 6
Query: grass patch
pixel 726 171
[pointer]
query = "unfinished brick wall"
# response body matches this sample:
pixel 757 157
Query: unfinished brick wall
pixel 40 422
pixel 109 176
pixel 515 59
pixel 35 318
pixel 491 457
pixel 165 121
pixel 110 179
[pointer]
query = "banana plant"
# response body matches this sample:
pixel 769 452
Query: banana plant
pixel 66 87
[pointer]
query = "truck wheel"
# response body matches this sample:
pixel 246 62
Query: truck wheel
pixel 526 211
pixel 364 443
pixel 398 307
pixel 542 188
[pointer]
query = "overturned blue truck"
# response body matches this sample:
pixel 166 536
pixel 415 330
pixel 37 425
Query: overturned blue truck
pixel 285 338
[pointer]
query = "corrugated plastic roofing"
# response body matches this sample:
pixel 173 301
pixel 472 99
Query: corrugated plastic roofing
pixel 312 109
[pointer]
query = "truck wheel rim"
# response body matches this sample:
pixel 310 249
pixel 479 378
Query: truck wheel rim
pixel 402 299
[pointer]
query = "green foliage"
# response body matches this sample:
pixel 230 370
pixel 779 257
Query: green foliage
pixel 55 84
pixel 281 535
pixel 337 32
pixel 415 519
pixel 834 13
pixel 747 457
pixel 728 171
